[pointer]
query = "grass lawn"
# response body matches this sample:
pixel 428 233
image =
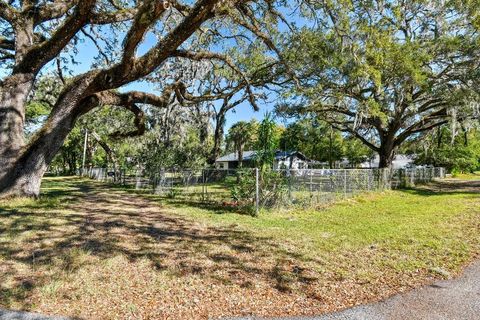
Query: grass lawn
pixel 87 250
pixel 468 176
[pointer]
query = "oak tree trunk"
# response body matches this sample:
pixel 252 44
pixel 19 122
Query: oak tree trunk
pixel 386 154
pixel 14 91
pixel 22 166
pixel 22 176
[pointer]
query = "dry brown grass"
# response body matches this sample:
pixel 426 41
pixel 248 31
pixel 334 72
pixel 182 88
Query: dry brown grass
pixel 99 253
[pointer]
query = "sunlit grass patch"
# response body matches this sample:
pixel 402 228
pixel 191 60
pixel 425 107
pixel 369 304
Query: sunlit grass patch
pixel 406 230
pixel 467 176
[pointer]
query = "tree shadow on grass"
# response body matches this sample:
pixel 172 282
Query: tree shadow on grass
pixel 214 207
pixel 470 188
pixel 65 188
pixel 106 224
pixel 221 205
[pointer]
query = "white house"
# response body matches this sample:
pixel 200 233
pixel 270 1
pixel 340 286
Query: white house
pixel 399 162
pixel 283 160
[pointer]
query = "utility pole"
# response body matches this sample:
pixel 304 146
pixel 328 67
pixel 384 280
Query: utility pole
pixel 84 151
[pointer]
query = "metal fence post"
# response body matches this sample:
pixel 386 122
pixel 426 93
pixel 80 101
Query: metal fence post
pixel 257 192
pixel 310 172
pixel 207 177
pixel 384 179
pixel 203 185
pixel 311 179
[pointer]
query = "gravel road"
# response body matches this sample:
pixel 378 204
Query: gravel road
pixel 20 315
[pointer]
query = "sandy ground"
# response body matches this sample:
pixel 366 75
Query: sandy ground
pixel 449 299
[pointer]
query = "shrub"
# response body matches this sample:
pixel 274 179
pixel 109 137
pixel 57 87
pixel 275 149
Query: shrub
pixel 273 188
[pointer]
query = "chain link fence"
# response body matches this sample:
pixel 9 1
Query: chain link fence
pixel 250 189
pixel 409 177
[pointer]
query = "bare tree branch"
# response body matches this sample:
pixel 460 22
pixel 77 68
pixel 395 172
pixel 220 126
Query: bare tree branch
pixel 97 45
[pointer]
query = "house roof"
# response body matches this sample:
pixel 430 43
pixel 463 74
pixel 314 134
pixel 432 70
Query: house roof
pixel 279 155
pixel 249 155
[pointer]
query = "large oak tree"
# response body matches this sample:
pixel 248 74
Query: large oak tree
pixel 386 71
pixel 35 33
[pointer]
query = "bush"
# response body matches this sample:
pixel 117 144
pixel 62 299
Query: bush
pixel 273 188
pixel 244 189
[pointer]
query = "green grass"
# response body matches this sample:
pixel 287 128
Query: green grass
pixel 85 246
pixel 429 229
pixel 467 176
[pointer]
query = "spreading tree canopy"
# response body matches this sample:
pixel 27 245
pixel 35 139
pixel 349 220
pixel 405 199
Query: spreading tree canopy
pixel 386 71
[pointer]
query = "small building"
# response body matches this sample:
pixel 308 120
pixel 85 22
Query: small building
pixel 283 160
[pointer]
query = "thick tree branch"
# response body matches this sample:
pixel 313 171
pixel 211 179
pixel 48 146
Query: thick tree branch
pixel 113 16
pixel 7 44
pixel 7 12
pixel 54 10
pixel 41 54
pixel 130 101
pixel 59 8
pixel 131 70
pixel 202 11
pixel 147 15
pixel 136 97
